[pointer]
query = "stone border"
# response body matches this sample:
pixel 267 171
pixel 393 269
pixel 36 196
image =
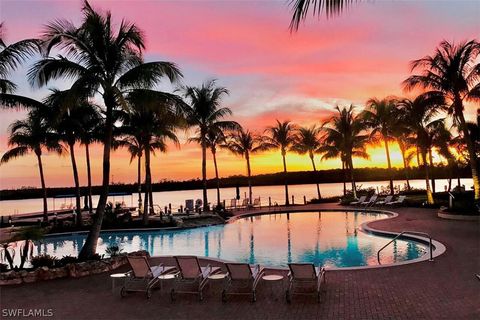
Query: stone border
pixel 458 217
pixel 438 248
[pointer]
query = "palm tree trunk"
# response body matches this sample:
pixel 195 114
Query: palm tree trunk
pixel 354 187
pixel 418 157
pixel 139 181
pixel 204 173
pixel 89 178
pixel 77 185
pixel 90 245
pixel 249 174
pixel 427 177
pixel 44 189
pixel 471 153
pixel 389 163
pixel 430 157
pixel 401 145
pixel 344 179
pixel 287 202
pixel 214 154
pixel 315 170
pixel 147 186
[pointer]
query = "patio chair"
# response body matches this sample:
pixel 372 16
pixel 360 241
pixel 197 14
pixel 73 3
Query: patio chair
pixel 359 201
pixel 370 202
pixel 189 205
pixel 304 279
pixel 257 203
pixel 233 204
pixel 385 201
pixel 192 275
pixel 398 202
pixel 244 204
pixel 143 277
pixel 242 279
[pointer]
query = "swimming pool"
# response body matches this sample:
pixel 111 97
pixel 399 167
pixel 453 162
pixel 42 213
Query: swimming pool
pixel 324 238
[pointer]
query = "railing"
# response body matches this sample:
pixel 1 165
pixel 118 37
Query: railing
pixel 430 247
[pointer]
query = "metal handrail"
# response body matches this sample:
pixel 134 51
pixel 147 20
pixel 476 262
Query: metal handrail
pixel 410 232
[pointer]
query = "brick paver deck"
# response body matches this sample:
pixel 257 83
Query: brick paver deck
pixel 444 289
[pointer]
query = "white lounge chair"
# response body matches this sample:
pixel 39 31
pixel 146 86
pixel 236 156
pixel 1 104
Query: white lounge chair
pixel 358 201
pixel 257 202
pixel 398 202
pixel 191 275
pixel 302 277
pixel 242 279
pixel 233 204
pixel 244 204
pixel 370 202
pixel 143 277
pixel 385 201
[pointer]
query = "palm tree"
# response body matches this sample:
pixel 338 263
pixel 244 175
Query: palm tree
pixel 11 57
pixel 442 140
pixel 244 143
pixel 91 125
pixel 301 8
pixel 401 132
pixel 421 112
pixel 204 113
pixel 343 137
pixel 32 135
pixel 150 124
pixel 65 114
pixel 214 139
pixel 29 235
pixel 308 142
pixel 281 137
pixel 99 59
pixel 133 144
pixel 380 116
pixel 453 72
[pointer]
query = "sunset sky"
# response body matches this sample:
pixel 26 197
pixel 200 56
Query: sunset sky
pixel 270 73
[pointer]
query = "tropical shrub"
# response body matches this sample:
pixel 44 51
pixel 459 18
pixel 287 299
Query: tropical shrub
pixel 43 260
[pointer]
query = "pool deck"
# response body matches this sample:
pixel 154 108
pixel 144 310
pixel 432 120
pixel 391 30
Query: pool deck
pixel 444 289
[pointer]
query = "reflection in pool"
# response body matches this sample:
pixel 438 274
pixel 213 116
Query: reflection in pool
pixel 324 238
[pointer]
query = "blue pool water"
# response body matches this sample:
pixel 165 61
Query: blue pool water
pixel 324 238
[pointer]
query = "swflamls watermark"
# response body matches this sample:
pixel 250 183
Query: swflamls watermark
pixel 17 313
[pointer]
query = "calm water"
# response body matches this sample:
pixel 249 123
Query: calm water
pixel 177 198
pixel 325 238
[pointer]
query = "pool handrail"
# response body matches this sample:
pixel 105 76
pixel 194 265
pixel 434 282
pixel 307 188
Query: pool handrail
pixel 430 247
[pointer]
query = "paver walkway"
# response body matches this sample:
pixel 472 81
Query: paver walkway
pixel 444 289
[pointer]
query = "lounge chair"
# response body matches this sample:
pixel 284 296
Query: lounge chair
pixel 398 202
pixel 385 201
pixel 242 279
pixel 257 203
pixel 191 275
pixel 304 279
pixel 370 202
pixel 189 205
pixel 142 277
pixel 233 204
pixel 244 204
pixel 358 201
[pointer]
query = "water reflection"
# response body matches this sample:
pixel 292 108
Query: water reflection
pixel 323 238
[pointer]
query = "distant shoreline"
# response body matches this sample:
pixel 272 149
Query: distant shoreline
pixel 293 178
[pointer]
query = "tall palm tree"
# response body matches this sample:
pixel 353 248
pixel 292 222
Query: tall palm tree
pixel 32 135
pixel 65 114
pixel 308 142
pixel 442 140
pixel 132 141
pixel 98 58
pixel 380 116
pixel 421 113
pixel 91 126
pixel 11 56
pixel 281 137
pixel 151 123
pixel 343 136
pixel 453 72
pixel 401 132
pixel 214 139
pixel 205 114
pixel 244 143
